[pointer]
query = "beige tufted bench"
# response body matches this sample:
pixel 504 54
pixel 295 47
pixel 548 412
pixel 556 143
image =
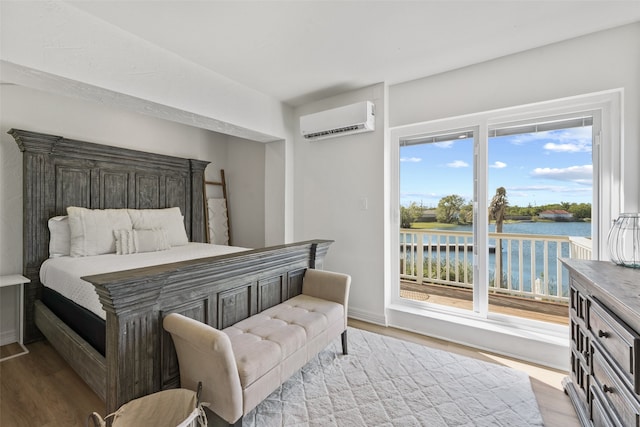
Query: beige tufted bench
pixel 241 365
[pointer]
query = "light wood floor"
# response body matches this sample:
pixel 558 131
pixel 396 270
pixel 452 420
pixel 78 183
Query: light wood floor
pixel 40 389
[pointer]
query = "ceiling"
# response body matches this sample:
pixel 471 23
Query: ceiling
pixel 300 51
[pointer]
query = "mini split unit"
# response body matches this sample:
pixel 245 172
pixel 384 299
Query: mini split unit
pixel 347 120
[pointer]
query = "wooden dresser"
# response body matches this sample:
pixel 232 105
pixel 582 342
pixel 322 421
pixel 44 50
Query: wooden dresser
pixel 604 385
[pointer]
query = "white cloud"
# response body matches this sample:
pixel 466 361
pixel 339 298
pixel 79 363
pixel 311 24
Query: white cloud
pixel 458 164
pixel 581 174
pixel 498 165
pixel 567 148
pixel 411 159
pixel 444 144
pixel 584 181
pixel 574 140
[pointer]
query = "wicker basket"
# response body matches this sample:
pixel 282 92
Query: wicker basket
pixel 178 407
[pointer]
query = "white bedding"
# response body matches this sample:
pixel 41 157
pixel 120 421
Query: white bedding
pixel 62 274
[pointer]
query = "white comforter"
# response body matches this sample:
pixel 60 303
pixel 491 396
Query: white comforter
pixel 62 274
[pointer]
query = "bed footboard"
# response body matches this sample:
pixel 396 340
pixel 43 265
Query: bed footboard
pixel 218 291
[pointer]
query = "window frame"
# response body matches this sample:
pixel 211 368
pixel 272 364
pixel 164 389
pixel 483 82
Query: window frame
pixel 607 188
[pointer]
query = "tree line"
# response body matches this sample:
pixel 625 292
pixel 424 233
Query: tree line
pixel 454 209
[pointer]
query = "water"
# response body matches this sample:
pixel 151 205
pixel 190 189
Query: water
pixel 536 273
pixel 581 229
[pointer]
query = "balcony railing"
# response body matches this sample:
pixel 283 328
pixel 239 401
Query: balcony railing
pixel 527 264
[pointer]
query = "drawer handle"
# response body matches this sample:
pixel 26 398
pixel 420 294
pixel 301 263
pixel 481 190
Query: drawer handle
pixel 607 389
pixel 603 334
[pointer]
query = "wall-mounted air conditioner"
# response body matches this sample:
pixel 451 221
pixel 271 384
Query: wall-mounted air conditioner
pixel 347 120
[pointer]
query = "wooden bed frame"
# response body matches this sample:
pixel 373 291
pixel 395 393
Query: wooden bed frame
pixel 220 291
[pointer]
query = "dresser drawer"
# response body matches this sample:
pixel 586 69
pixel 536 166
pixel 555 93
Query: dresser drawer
pixel 597 413
pixel 616 394
pixel 620 341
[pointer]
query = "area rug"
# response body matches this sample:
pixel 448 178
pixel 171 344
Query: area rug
pixel 389 382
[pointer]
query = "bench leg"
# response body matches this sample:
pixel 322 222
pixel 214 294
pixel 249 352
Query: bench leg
pixel 214 420
pixel 344 343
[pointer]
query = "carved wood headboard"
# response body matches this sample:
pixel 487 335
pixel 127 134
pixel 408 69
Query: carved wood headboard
pixel 60 172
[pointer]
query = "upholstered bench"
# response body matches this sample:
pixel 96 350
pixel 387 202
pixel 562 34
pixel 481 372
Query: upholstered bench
pixel 241 365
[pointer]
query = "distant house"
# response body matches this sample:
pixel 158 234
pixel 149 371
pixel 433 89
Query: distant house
pixel 428 215
pixel 556 215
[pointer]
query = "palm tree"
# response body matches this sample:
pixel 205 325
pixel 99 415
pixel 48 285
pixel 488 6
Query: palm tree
pixel 497 211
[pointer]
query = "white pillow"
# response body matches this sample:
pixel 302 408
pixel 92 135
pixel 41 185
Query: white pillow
pixel 124 242
pixel 92 229
pixel 135 241
pixel 169 219
pixel 59 236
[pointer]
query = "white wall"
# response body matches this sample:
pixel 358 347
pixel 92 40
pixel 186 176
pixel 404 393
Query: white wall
pixel 30 109
pixel 246 192
pixel 333 179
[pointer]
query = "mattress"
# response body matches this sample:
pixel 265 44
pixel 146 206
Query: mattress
pixel 90 327
pixel 63 274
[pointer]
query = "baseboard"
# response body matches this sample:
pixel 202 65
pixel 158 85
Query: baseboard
pixel 8 337
pixel 367 316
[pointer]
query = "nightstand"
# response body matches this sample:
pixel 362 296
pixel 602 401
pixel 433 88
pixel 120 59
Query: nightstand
pixel 19 281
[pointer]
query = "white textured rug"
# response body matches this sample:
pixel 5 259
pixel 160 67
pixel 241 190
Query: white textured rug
pixel 389 382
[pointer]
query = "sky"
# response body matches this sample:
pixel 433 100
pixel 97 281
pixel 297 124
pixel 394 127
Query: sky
pixel 535 168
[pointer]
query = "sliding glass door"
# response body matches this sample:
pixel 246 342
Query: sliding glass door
pixel 486 208
pixel 540 184
pixel 437 215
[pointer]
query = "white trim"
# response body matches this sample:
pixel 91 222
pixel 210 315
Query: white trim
pixel 537 346
pixel 481 230
pixel 367 316
pixel 508 335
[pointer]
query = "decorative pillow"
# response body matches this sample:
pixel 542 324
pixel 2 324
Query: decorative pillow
pixel 135 241
pixel 92 229
pixel 59 236
pixel 124 242
pixel 169 219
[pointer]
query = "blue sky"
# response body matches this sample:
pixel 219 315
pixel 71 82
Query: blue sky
pixel 535 168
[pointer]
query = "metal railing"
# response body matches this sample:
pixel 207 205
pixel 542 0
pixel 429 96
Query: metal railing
pixel 528 263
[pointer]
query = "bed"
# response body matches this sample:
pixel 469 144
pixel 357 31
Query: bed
pixel 138 357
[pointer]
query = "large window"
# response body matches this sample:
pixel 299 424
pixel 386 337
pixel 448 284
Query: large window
pixel 488 203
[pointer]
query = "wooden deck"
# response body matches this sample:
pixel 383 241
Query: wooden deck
pixel 504 304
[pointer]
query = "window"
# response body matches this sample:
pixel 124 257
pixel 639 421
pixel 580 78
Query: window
pixel 450 171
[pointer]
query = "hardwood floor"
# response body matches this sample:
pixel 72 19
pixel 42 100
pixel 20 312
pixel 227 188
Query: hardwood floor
pixel 40 389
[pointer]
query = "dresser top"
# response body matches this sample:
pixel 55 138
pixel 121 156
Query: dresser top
pixel 616 286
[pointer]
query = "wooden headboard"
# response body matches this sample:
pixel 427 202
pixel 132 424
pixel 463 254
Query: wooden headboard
pixel 60 172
